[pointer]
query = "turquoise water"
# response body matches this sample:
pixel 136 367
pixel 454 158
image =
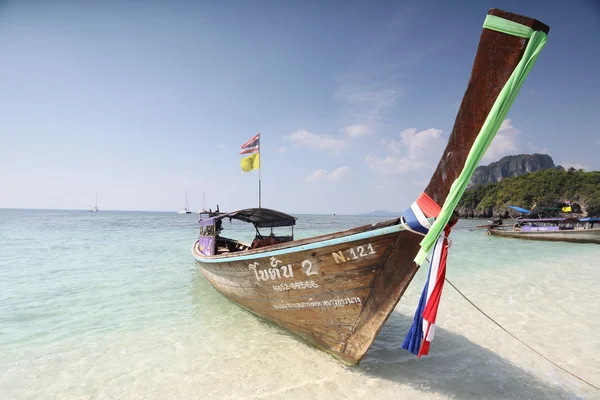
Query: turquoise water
pixel 111 305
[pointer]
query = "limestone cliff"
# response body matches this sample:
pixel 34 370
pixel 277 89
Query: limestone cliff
pixel 511 166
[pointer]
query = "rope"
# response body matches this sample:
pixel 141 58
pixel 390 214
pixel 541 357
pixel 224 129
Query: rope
pixel 520 341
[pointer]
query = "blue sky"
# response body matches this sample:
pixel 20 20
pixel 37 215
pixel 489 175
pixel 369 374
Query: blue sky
pixel 143 101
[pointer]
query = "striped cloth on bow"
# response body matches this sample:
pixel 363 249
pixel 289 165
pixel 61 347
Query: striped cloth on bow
pixel 421 332
pixel 415 217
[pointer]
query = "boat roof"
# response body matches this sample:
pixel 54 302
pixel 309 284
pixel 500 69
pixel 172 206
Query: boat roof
pixel 570 219
pixel 259 217
pixel 519 209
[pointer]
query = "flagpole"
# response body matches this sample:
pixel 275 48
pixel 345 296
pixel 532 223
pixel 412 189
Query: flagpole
pixel 259 166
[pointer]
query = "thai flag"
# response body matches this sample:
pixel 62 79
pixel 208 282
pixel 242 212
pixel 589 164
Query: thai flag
pixel 421 332
pixel 252 145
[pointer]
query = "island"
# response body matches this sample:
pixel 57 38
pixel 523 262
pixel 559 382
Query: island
pixel 550 191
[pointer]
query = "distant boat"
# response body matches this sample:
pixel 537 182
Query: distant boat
pixel 95 209
pixel 492 223
pixel 577 230
pixel 203 210
pixel 186 210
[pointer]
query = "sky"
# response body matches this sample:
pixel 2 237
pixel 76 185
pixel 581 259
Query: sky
pixel 143 101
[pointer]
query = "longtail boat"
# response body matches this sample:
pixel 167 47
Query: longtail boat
pixel 576 230
pixel 337 290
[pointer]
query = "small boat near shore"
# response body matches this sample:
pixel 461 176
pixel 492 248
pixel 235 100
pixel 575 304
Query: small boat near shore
pixel 576 230
pixel 492 223
pixel 337 290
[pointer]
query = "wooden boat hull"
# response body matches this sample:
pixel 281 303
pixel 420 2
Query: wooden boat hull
pixel 335 291
pixel 574 236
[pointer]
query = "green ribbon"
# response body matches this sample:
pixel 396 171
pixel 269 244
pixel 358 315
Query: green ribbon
pixel 491 125
pixel 507 26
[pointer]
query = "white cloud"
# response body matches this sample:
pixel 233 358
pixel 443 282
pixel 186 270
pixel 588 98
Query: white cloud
pixel 567 165
pixel 407 154
pixel 314 141
pixel 506 124
pixel 504 143
pixel 358 130
pixel 392 165
pixel 414 143
pixel 393 146
pixel 323 175
pixel 282 149
pixel 221 146
pixel 419 142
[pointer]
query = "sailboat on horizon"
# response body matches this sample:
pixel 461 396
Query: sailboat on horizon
pixel 203 210
pixel 95 209
pixel 186 210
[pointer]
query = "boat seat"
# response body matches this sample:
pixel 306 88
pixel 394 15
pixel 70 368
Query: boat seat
pixel 269 241
pixel 261 242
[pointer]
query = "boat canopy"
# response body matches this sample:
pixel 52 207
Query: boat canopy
pixel 519 209
pixel 570 219
pixel 259 217
pixel 589 219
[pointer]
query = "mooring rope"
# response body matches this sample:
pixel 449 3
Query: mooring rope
pixel 520 341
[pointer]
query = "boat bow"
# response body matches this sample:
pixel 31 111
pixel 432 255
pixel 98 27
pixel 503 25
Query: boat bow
pixel 337 290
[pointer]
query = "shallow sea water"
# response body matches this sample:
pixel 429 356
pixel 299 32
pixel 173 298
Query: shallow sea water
pixel 112 306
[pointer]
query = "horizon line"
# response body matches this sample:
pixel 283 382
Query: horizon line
pixel 390 213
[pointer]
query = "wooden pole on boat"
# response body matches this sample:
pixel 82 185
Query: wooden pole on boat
pixel 497 56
